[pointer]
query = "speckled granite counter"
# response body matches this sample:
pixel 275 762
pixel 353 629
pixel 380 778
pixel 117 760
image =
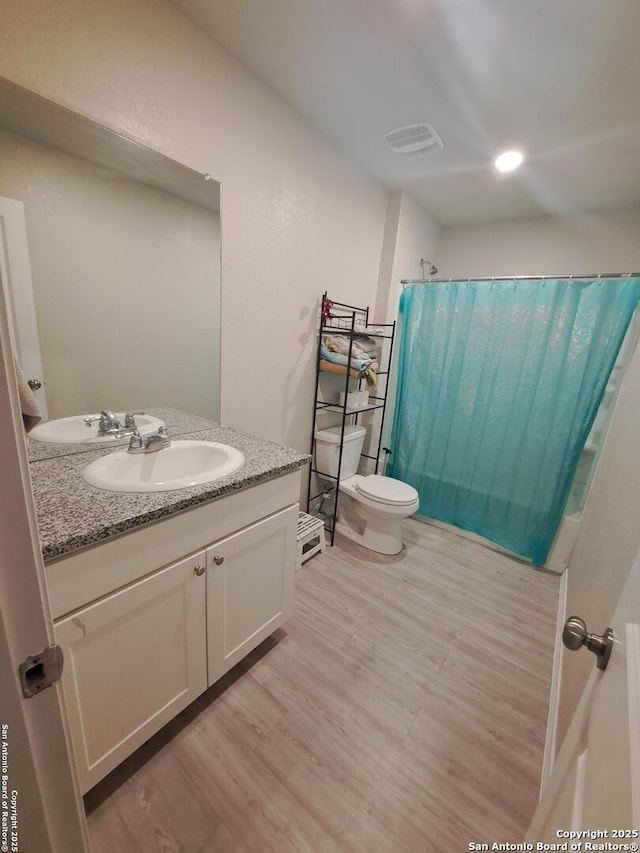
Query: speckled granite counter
pixel 73 515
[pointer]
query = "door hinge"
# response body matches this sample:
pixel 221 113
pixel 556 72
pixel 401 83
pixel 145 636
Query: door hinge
pixel 41 671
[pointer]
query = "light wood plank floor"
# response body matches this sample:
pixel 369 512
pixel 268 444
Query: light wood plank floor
pixel 402 708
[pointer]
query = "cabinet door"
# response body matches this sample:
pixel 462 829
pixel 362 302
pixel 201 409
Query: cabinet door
pixel 133 660
pixel 249 588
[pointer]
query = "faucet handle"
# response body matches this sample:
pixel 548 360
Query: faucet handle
pixel 135 442
pixel 157 440
pixel 129 420
pixel 163 436
pixel 108 422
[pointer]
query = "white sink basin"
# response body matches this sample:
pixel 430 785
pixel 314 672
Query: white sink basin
pixel 182 464
pixel 75 431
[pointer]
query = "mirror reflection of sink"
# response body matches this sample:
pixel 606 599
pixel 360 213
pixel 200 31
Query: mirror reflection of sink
pixel 182 464
pixel 74 430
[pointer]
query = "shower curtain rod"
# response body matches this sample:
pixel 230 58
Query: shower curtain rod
pixel 407 281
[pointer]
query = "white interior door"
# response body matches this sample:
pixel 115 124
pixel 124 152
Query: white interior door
pixel 15 272
pixel 595 784
pixel 36 762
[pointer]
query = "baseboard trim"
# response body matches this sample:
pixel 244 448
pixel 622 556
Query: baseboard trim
pixel 549 756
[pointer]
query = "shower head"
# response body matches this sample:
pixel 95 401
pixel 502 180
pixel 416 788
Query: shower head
pixel 431 267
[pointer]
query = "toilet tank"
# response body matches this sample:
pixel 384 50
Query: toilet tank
pixel 328 450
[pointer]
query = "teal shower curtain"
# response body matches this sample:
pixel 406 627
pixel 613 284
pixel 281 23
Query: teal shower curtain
pixel 499 384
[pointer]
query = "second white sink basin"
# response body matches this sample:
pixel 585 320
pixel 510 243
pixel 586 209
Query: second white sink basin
pixel 182 464
pixel 74 430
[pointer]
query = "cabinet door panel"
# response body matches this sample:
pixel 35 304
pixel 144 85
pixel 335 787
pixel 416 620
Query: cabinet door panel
pixel 132 661
pixel 249 588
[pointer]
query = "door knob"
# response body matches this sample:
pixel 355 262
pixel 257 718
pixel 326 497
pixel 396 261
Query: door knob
pixel 199 570
pixel 218 560
pixel 34 384
pixel 575 635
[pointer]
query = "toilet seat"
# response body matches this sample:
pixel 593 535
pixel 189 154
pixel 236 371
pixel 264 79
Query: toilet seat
pixel 386 490
pixel 371 511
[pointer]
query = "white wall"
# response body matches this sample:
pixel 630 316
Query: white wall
pixel 297 217
pixel 580 244
pixel 609 535
pixel 410 234
pixel 126 285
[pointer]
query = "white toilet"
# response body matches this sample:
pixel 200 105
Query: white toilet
pixel 370 508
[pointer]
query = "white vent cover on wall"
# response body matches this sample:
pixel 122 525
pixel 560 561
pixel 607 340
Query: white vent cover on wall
pixel 413 139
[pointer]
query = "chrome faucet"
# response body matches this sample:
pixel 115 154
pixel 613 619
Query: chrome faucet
pixel 109 423
pixel 151 443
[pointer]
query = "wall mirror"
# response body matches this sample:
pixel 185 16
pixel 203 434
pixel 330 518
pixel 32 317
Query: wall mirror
pixel 111 255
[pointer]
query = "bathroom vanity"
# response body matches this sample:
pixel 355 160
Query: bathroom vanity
pixel 155 596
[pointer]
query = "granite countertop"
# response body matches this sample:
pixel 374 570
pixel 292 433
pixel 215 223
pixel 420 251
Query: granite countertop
pixel 73 515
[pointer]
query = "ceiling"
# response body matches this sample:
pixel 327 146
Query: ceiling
pixel 559 79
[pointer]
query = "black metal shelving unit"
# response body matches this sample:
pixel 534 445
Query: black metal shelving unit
pixel 352 322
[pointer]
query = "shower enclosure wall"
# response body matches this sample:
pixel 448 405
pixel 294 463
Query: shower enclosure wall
pixel 568 531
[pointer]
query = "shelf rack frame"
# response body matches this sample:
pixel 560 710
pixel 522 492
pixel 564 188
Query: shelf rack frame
pixel 347 320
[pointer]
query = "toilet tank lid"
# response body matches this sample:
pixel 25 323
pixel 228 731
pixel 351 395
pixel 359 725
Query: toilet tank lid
pixel 386 489
pixel 332 434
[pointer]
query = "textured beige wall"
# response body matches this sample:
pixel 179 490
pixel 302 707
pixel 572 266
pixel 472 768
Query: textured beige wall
pixel 608 241
pixel 410 235
pixel 297 217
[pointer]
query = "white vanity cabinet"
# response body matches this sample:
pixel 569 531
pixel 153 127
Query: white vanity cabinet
pixel 144 629
pixel 133 660
pixel 249 588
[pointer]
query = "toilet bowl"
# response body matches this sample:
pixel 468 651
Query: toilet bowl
pixel 379 505
pixel 370 508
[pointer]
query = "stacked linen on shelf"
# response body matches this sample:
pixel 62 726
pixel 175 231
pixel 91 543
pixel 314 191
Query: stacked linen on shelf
pixel 359 355
pixel 367 345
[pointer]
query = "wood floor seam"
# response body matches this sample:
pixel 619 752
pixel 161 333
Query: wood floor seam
pixel 401 708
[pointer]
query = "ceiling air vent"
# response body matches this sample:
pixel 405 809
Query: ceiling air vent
pixel 413 139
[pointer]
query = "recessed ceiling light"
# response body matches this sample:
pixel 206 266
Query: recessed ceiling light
pixel 508 161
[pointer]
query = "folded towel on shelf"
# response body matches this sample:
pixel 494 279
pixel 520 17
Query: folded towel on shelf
pixel 338 343
pixel 332 367
pixel 367 345
pixel 367 373
pixel 338 358
pixel 31 414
